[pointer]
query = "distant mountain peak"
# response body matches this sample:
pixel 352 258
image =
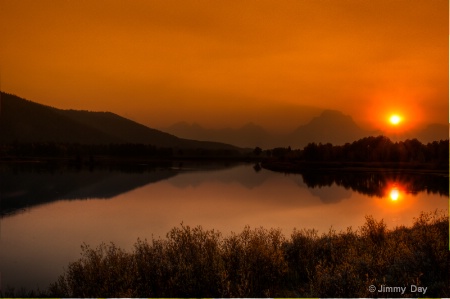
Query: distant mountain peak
pixel 330 126
pixel 331 120
pixel 248 135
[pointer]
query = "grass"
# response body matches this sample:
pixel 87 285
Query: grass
pixel 193 262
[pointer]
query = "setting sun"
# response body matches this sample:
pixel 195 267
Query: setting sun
pixel 395 119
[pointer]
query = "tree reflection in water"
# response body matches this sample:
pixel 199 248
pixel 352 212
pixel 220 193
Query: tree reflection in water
pixel 377 183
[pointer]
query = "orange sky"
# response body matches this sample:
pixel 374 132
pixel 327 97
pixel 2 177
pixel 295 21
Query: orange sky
pixel 225 63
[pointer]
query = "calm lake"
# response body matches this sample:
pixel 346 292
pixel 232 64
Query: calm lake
pixel 48 213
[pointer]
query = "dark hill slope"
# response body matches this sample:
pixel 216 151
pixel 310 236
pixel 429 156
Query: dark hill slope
pixel 121 128
pixel 26 121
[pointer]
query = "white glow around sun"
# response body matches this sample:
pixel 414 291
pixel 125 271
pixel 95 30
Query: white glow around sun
pixel 395 119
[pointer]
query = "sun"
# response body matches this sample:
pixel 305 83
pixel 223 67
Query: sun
pixel 395 119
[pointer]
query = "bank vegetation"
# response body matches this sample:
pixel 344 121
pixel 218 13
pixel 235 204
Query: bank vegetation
pixel 194 262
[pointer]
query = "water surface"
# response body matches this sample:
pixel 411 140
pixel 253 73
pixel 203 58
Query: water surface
pixel 48 214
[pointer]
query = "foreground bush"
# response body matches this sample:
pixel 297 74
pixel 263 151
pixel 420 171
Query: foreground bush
pixel 261 263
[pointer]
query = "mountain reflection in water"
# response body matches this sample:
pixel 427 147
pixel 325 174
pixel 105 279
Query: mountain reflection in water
pixel 30 186
pixel 26 187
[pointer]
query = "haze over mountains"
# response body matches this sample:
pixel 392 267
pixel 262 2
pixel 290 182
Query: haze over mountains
pixel 330 126
pixel 432 132
pixel 27 121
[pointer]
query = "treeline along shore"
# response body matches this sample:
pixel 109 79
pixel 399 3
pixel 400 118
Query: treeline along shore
pixel 370 152
pixel 98 154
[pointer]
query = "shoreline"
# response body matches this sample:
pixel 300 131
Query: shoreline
pixel 268 164
pixel 303 166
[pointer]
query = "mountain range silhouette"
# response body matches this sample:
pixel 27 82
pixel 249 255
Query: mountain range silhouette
pixel 26 121
pixel 330 126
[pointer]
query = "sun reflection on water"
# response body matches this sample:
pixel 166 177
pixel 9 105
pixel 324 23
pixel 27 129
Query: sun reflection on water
pixel 394 194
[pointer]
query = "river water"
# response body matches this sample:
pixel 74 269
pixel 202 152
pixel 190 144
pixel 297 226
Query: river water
pixel 47 214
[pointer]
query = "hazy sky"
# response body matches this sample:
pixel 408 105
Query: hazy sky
pixel 224 63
